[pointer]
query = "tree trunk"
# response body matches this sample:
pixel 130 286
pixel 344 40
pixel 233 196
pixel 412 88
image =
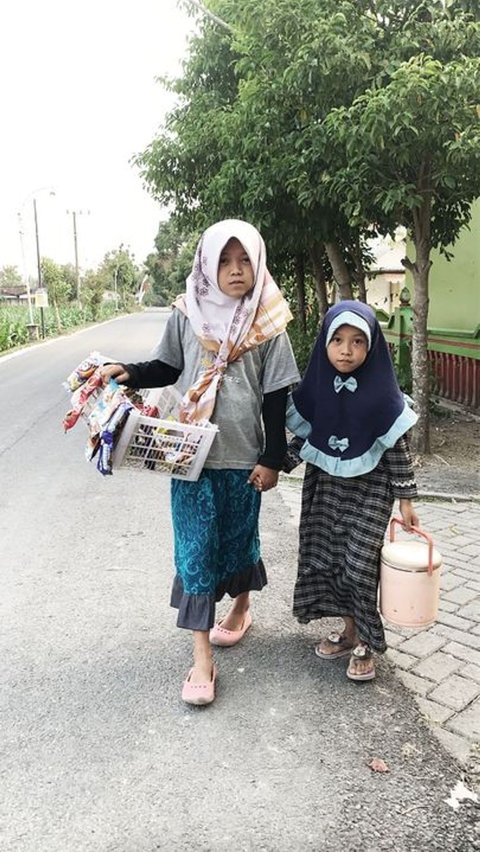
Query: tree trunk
pixel 420 270
pixel 316 256
pixel 355 252
pixel 300 290
pixel 57 315
pixel 339 269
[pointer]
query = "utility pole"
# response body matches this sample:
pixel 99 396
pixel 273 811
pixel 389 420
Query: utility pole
pixel 32 326
pixel 75 247
pixel 75 243
pixel 39 266
pixel 37 243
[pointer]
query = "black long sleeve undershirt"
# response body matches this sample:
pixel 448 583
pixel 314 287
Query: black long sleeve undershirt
pixel 151 374
pixel 273 414
pixel 158 374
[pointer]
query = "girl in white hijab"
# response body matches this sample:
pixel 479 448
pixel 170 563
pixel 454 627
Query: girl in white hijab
pixel 226 348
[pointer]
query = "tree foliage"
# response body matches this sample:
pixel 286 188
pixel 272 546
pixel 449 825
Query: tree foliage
pixel 119 273
pixel 53 279
pixel 414 157
pixel 322 122
pixel 10 277
pixel 57 286
pixel 170 263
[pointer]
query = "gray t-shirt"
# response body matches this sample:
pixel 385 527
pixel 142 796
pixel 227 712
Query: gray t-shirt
pixel 238 406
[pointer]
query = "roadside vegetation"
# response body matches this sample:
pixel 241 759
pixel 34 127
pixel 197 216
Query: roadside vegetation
pixel 97 295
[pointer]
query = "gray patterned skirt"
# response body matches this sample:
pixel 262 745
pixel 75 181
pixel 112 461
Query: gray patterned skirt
pixel 342 528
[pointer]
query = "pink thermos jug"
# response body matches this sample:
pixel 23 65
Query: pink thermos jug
pixel 409 579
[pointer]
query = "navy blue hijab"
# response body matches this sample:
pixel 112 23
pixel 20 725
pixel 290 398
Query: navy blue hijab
pixel 349 420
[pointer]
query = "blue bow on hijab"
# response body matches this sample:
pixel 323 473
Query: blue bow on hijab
pixel 349 421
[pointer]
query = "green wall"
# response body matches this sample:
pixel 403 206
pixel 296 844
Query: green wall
pixel 455 285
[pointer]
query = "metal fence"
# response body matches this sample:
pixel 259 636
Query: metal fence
pixel 454 356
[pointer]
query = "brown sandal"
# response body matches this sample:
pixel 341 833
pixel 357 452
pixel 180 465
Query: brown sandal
pixel 361 653
pixel 341 643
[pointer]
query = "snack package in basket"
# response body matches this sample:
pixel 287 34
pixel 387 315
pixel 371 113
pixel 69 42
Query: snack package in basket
pixel 164 401
pixel 164 445
pixel 85 369
pixel 167 447
pixel 104 421
pixel 81 398
pixel 109 436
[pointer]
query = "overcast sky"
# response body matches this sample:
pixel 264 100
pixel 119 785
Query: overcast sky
pixel 78 99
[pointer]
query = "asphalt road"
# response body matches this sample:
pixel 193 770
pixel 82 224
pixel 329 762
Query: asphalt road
pixel 98 753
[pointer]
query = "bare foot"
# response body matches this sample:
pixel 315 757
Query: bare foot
pixel 202 671
pixel 234 619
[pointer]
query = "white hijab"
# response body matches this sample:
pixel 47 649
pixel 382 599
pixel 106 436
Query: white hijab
pixel 211 311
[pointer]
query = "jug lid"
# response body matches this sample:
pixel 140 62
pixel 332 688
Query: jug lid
pixel 411 555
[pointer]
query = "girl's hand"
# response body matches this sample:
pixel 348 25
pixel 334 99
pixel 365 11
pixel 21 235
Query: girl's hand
pixel 114 371
pixel 263 478
pixel 409 516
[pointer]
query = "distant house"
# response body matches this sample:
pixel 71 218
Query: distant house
pixel 13 295
pixel 386 275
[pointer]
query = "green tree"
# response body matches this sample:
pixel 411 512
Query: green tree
pixel 410 152
pixel 10 277
pixel 68 272
pixel 267 124
pixel 162 263
pixel 58 288
pixel 93 290
pixel 233 145
pixel 119 273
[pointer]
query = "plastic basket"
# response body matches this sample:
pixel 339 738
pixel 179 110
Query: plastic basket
pixel 165 446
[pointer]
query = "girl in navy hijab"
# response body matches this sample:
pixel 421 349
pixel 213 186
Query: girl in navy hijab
pixel 350 419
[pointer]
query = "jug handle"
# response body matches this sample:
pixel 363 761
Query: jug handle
pixel 418 531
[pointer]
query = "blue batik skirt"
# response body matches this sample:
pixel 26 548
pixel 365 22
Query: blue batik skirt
pixel 217 545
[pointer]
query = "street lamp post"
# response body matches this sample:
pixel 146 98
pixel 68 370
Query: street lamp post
pixel 37 245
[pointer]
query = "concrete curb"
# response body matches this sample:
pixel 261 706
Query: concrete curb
pixel 447 497
pixel 440 496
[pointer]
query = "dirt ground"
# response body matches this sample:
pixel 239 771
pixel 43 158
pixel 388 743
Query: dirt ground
pixel 454 463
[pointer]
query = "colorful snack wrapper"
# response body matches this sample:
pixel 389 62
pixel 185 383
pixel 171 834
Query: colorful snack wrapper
pixel 80 399
pixel 104 460
pixel 70 419
pixel 85 369
pixel 109 436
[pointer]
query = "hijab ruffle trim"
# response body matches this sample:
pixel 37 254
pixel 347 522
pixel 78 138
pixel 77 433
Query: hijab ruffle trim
pixel 347 468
